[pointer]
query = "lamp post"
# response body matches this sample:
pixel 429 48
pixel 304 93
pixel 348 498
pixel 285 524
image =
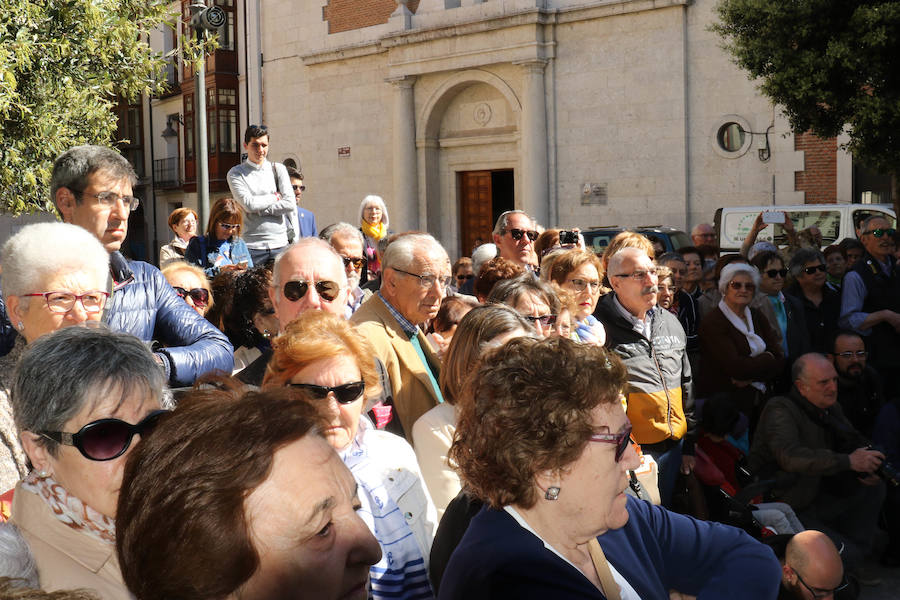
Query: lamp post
pixel 203 19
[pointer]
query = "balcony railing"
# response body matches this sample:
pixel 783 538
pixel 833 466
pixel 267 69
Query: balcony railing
pixel 166 173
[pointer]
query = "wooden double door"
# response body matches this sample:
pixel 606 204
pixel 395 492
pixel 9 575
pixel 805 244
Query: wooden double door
pixel 483 196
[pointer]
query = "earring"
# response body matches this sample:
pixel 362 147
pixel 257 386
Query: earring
pixel 552 493
pixel 20 326
pixel 267 334
pixel 43 475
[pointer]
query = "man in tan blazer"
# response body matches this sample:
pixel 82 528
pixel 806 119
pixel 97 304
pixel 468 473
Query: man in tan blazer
pixel 415 276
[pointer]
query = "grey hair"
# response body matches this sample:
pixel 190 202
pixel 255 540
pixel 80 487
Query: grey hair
pixel 503 220
pixel 73 167
pixel 864 225
pixel 373 199
pixel 731 270
pixel 803 256
pixel 669 257
pixel 697 227
pixel 401 253
pixel 615 261
pixel 41 250
pixel 798 369
pixel 62 373
pixel 302 243
pixel 342 229
pixel 509 291
pixel 481 255
pixel 16 561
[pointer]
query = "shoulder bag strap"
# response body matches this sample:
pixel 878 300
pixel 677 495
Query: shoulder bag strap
pixel 601 565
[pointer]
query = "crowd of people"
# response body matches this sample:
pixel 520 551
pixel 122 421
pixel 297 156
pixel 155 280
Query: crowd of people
pixel 282 412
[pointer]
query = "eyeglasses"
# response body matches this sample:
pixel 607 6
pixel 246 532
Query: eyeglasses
pixel 622 440
pixel 229 226
pixel 742 285
pixel 110 199
pixel 346 393
pixel 464 277
pixel 63 302
pixel 356 262
pixel 296 290
pixel 860 354
pixel 298 188
pixel 773 273
pixel 581 284
pixel 637 275
pixel 811 270
pixel 426 281
pixel 881 232
pixel 546 320
pixel 105 439
pixel 263 127
pixel 818 592
pixel 517 234
pixel 200 296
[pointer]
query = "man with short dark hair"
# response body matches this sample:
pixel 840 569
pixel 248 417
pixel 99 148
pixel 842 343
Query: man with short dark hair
pixel 92 188
pixel 859 387
pixel 263 189
pixel 820 463
pixel 515 234
pixel 306 220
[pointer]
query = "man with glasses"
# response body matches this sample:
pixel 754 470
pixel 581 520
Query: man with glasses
pixel 860 391
pixel 811 568
pixel 870 299
pixel 263 189
pixel 92 188
pixel 306 220
pixel 414 280
pixel 653 345
pixel 515 234
pixel 348 241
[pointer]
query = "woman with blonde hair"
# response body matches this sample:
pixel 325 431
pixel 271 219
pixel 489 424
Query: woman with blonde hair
pixel 190 283
pixel 580 273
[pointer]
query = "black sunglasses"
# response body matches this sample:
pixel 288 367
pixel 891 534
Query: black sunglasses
pixel 105 439
pixel 518 233
pixel 356 262
pixel 622 440
pixel 300 188
pixel 464 277
pixel 811 270
pixel 296 290
pixel 773 272
pixel 198 295
pixel 346 393
pixel 882 232
pixel 546 320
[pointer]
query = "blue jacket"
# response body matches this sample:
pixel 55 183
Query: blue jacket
pixel 656 551
pixel 145 305
pixel 210 255
pixel 7 331
pixel 307 222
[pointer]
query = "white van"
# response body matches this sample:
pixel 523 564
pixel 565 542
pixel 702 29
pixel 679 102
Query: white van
pixel 835 221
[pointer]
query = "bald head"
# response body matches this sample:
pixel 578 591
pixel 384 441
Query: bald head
pixel 812 555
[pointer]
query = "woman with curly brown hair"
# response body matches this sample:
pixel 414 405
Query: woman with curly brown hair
pixel 543 440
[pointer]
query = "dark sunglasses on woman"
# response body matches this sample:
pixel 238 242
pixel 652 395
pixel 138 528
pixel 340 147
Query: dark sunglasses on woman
pixel 346 393
pixel 772 273
pixel 295 290
pixel 105 439
pixel 546 320
pixel 198 295
pixel 811 270
pixel 622 440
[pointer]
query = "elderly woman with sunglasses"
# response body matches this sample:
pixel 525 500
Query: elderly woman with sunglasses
pixel 543 440
pixel 580 272
pixel 323 355
pixel 221 248
pixel 740 350
pixel 821 305
pixel 82 399
pixel 54 276
pixel 191 284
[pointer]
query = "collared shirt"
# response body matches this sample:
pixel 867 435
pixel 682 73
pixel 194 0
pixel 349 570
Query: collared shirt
pixel 641 326
pixel 853 295
pixel 408 328
pixel 354 301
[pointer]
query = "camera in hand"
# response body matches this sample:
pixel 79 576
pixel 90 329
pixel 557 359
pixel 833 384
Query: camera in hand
pixel 568 237
pixel 886 471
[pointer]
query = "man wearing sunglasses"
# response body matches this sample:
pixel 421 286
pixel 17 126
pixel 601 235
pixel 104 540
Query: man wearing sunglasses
pixel 653 345
pixel 870 299
pixel 414 280
pixel 515 234
pixel 348 241
pixel 306 220
pixel 263 189
pixel 92 188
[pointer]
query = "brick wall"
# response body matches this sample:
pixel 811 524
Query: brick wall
pixel 344 15
pixel 819 177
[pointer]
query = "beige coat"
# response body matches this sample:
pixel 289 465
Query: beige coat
pixel 66 558
pixel 411 388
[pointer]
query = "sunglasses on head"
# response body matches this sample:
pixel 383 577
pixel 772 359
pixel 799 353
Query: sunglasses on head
pixel 198 295
pixel 105 439
pixel 356 262
pixel 518 233
pixel 772 273
pixel 296 290
pixel 882 232
pixel 346 393
pixel 546 320
pixel 811 270
pixel 622 440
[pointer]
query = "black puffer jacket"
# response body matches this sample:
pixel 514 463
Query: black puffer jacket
pixel 145 305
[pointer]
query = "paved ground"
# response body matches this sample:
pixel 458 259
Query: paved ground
pixel 889 588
